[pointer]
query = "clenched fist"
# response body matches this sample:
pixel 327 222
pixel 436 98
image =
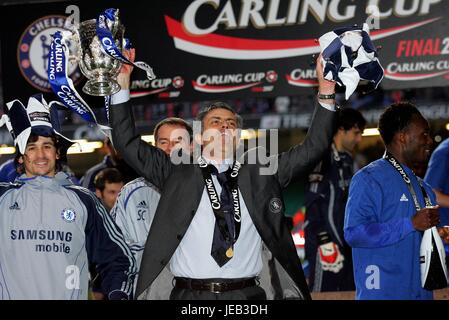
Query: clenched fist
pixel 426 218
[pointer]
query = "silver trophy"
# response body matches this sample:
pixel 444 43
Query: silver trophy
pixel 100 68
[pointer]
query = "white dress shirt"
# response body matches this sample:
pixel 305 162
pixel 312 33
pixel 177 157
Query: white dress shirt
pixel 192 258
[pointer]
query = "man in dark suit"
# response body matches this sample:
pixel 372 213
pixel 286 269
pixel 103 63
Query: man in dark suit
pixel 214 246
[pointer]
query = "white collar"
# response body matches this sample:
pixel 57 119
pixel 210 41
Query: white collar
pixel 228 161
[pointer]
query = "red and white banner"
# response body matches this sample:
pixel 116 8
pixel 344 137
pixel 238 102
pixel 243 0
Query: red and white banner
pixel 219 49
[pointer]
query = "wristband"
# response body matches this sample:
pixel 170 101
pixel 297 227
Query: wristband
pixel 326 96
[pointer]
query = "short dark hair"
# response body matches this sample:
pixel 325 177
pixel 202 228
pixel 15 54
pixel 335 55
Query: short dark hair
pixel 108 175
pixel 349 118
pixel 396 118
pixel 172 121
pixel 219 105
pixel 20 167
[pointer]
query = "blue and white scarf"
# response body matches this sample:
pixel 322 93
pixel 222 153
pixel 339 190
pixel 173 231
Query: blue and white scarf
pixel 349 56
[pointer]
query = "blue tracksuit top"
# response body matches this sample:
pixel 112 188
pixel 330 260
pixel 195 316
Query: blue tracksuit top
pixel 378 227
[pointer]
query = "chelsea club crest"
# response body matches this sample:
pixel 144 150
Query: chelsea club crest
pixel 33 50
pixel 68 215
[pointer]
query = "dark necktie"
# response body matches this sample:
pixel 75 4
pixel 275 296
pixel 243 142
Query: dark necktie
pixel 222 243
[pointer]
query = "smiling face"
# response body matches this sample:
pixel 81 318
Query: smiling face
pixel 417 142
pixel 171 137
pixel 40 157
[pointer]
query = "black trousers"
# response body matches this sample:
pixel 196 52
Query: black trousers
pixel 248 293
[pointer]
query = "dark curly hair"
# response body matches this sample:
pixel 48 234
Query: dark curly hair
pixel 396 118
pixel 107 175
pixel 349 118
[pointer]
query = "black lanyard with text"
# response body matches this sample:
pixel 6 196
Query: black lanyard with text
pixel 395 163
pixel 213 196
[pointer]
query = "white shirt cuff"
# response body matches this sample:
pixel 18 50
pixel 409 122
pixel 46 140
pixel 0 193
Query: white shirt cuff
pixel 330 107
pixel 120 97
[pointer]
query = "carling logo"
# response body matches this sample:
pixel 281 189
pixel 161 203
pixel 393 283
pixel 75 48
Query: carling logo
pixel 222 83
pixel 162 87
pixel 302 78
pixel 205 39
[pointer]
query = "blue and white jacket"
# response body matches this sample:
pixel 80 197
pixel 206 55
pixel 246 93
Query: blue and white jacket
pixel 134 212
pixel 49 230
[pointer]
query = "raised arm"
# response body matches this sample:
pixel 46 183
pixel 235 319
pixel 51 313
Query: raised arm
pixel 302 158
pixel 150 162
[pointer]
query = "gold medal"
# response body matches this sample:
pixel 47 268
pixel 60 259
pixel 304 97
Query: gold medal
pixel 229 253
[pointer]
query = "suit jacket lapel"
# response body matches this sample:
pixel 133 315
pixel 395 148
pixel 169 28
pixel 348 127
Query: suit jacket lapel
pixel 196 186
pixel 158 249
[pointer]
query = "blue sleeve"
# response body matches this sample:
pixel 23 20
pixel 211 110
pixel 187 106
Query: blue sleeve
pixel 6 186
pixel 437 172
pixel 362 227
pixel 107 250
pixel 8 171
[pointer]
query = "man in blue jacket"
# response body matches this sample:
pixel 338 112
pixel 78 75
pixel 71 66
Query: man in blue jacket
pixel 389 207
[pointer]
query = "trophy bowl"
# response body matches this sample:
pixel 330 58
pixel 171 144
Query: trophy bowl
pixel 100 68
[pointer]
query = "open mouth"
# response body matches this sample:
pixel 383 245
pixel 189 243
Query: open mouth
pixel 41 164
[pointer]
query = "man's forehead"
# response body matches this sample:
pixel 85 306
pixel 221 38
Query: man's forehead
pixel 355 128
pixel 419 122
pixel 221 113
pixel 113 185
pixel 166 130
pixel 43 140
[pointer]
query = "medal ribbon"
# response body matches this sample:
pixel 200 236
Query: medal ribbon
pixel 216 205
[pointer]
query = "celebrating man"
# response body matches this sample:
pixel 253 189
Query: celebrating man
pixel 50 228
pixel 213 217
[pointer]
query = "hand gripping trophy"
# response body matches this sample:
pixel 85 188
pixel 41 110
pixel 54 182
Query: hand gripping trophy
pixel 99 43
